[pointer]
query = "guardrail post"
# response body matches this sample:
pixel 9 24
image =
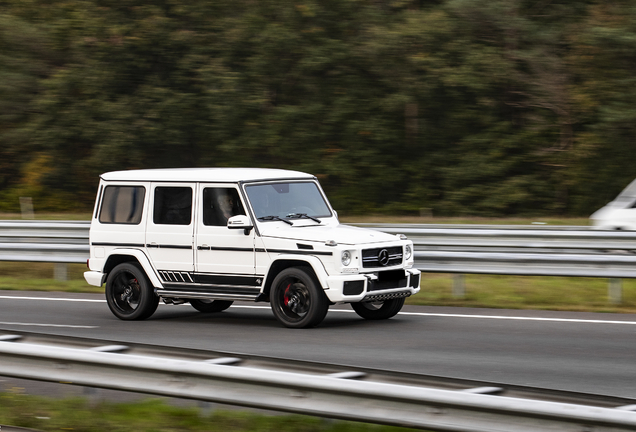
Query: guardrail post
pixel 60 271
pixel 615 290
pixel 459 285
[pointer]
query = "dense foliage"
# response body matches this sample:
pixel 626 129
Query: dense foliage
pixel 467 107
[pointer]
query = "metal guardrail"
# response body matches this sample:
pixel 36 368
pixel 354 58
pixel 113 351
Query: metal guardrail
pixel 460 249
pixel 44 241
pixel 332 396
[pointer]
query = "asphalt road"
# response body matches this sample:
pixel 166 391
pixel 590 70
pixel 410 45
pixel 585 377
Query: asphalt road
pixel 584 352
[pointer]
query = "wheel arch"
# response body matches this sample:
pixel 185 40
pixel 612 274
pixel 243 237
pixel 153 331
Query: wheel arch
pixel 135 256
pixel 313 266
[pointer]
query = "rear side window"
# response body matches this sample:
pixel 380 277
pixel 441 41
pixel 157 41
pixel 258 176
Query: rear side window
pixel 122 204
pixel 173 206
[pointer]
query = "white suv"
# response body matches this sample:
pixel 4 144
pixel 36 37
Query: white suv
pixel 210 236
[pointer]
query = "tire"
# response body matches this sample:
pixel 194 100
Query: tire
pixel 378 310
pixel 210 306
pixel 129 294
pixel 297 300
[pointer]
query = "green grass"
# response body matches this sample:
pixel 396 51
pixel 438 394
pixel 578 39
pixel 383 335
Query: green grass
pixel 154 415
pixel 23 276
pixel 525 292
pixel 49 216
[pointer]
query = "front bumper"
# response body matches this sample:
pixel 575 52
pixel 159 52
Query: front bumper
pixel 373 286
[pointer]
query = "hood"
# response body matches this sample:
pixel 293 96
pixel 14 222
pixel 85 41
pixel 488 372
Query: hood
pixel 341 234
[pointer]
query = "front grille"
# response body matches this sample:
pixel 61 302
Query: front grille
pixel 382 257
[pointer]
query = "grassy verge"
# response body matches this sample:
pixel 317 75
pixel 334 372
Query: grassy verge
pixel 22 276
pixel 154 415
pixel 49 216
pixel 526 292
pixel 488 291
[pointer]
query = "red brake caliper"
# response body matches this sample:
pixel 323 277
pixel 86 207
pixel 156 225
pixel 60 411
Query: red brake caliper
pixel 286 295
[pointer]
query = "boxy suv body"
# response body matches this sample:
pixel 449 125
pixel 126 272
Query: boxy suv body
pixel 211 236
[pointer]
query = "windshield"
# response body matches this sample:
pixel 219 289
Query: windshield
pixel 287 200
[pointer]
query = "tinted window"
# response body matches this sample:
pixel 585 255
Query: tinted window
pixel 173 206
pixel 122 204
pixel 219 204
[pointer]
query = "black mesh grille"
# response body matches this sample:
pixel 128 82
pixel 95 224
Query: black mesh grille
pixel 353 287
pixel 378 258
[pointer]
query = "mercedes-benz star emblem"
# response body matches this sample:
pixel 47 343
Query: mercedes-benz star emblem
pixel 383 257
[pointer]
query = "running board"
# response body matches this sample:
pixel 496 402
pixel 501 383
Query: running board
pixel 202 295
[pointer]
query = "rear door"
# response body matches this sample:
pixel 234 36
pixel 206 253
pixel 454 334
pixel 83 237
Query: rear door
pixel 170 230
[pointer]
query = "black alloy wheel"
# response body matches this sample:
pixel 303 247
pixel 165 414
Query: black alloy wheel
pixel 297 299
pixel 378 310
pixel 129 293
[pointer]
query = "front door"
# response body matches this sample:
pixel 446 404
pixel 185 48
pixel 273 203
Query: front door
pixel 224 258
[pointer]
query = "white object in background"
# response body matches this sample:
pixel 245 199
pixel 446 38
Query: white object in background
pixel 619 214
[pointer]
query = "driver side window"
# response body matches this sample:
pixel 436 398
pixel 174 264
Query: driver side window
pixel 219 204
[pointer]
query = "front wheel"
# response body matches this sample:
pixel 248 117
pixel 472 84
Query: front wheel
pixel 297 299
pixel 378 310
pixel 129 294
pixel 210 306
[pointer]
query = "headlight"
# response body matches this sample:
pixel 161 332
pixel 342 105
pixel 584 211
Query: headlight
pixel 346 258
pixel 408 252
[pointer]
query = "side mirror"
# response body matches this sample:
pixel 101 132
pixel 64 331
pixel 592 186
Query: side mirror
pixel 240 222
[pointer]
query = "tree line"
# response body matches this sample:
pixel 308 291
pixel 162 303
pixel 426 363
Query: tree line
pixel 465 107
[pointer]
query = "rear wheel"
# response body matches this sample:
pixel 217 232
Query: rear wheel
pixel 129 294
pixel 297 299
pixel 378 310
pixel 210 306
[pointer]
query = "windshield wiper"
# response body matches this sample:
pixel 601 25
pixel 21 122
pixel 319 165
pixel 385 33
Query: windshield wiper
pixel 267 218
pixel 303 215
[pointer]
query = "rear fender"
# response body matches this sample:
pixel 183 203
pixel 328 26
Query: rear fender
pixel 142 259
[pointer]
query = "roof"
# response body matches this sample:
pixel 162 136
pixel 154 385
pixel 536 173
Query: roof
pixel 204 175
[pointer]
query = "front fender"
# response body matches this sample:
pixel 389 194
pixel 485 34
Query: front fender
pixel 314 262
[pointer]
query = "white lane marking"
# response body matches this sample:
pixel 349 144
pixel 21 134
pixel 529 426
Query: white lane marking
pixel 52 299
pixel 47 325
pixel 569 320
pixel 500 317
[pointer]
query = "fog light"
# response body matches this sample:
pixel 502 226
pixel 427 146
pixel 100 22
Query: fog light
pixel 346 258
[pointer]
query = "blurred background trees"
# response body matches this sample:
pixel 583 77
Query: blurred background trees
pixel 466 107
